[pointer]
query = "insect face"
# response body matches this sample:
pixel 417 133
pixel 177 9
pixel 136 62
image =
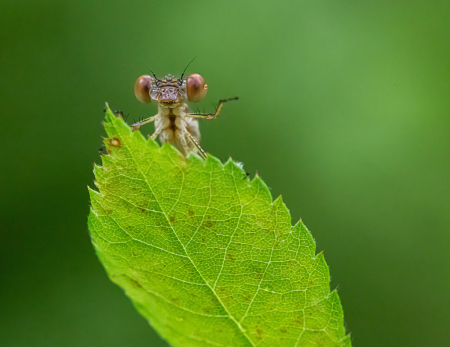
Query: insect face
pixel 170 90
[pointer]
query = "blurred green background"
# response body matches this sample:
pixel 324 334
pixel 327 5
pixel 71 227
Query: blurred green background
pixel 344 110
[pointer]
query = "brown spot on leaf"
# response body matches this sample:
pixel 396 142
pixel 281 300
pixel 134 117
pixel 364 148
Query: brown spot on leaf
pixel 172 219
pixel 230 256
pixel 115 142
pixel 208 224
pixel 259 334
pixel 299 320
pixel 191 213
pixel 135 283
pixel 109 211
pixel 143 209
pixel 247 298
pixel 283 331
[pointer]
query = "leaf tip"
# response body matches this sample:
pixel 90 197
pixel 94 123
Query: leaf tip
pixel 321 256
pixel 150 142
pixel 235 167
pixel 108 113
pixel 92 193
pixel 114 125
pixel 278 201
pixel 213 161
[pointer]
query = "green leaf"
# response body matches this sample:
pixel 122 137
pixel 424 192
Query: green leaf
pixel 204 253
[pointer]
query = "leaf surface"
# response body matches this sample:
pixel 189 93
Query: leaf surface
pixel 204 253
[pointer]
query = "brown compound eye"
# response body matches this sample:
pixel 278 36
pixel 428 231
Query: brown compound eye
pixel 196 88
pixel 142 89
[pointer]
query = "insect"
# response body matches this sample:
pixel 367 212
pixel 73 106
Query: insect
pixel 175 122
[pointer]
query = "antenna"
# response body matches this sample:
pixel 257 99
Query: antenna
pixel 148 68
pixel 152 72
pixel 187 67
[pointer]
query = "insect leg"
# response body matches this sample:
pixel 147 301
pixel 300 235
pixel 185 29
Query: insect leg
pixel 137 125
pixel 211 115
pixel 158 130
pixel 181 134
pixel 195 143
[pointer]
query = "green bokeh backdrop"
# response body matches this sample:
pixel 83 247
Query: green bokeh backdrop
pixel 344 110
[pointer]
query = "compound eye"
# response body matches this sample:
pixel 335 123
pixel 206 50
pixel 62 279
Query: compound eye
pixel 196 88
pixel 142 89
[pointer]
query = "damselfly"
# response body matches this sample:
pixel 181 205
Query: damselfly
pixel 175 122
